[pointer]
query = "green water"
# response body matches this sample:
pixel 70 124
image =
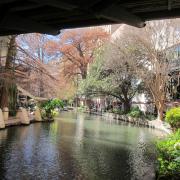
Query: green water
pixel 78 146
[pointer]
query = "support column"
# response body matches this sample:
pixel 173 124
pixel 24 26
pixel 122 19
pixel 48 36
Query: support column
pixel 24 116
pixel 37 114
pixel 2 123
pixel 5 113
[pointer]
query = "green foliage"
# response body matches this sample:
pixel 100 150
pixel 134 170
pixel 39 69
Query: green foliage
pixel 169 157
pixel 48 108
pixel 70 101
pixel 135 108
pixel 150 117
pixel 118 111
pixel 93 83
pixel 107 77
pixel 82 108
pixel 173 117
pixel 135 112
pixel 54 113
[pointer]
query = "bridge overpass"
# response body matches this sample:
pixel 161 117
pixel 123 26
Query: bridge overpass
pixel 50 16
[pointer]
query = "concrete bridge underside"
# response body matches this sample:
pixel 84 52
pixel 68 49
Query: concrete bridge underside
pixel 50 16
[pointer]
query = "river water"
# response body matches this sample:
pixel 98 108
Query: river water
pixel 78 146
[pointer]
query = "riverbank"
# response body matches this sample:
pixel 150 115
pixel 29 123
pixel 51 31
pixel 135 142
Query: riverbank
pixel 23 117
pixel 17 122
pixel 155 124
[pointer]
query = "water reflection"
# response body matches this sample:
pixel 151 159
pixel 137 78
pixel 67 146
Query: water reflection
pixel 77 147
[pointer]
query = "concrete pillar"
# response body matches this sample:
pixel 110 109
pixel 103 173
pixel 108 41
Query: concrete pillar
pixel 37 114
pixel 18 114
pixel 24 116
pixel 2 124
pixel 5 113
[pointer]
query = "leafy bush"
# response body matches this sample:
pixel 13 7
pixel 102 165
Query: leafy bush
pixel 54 113
pixel 135 112
pixel 150 117
pixel 135 108
pixel 117 111
pixel 169 157
pixel 173 117
pixel 48 108
pixel 82 108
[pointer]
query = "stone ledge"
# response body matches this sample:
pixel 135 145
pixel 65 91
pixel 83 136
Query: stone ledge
pixel 163 126
pixel 137 121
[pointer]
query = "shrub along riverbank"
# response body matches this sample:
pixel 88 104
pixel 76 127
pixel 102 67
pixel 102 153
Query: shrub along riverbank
pixel 48 108
pixel 169 157
pixel 169 149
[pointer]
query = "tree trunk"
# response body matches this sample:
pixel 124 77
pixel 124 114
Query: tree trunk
pixel 41 88
pixel 160 115
pixel 4 98
pixel 127 106
pixel 4 91
pixel 83 75
pixel 83 70
pixel 160 110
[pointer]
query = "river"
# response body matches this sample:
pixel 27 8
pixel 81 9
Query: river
pixel 78 146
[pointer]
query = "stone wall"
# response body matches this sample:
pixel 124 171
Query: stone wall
pixel 160 125
pixel 137 121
